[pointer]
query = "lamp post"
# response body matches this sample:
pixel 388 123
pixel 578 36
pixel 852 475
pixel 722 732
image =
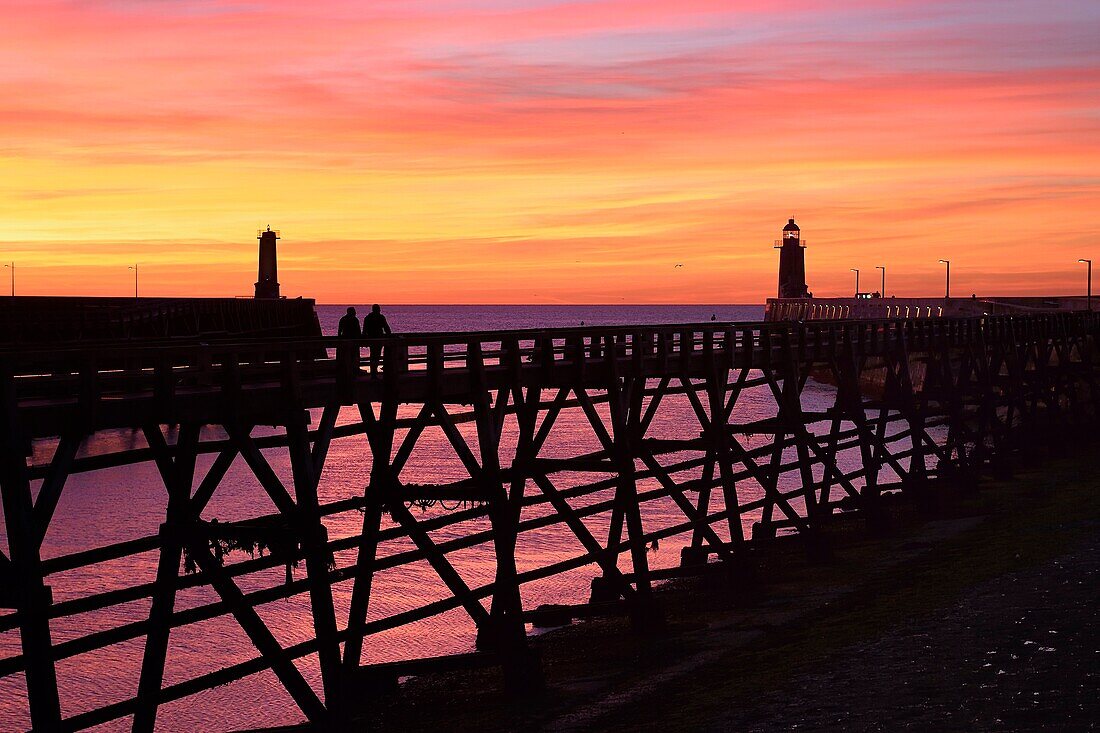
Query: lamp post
pixel 1088 299
pixel 135 269
pixel 947 294
pixel 882 292
pixel 856 271
pixel 12 266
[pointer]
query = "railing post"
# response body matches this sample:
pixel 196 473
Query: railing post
pixel 638 352
pixel 575 353
pixel 396 358
pixel 435 369
pixel 546 358
pixel 663 347
pixel 164 387
pixel 347 369
pixel 89 392
pixel 231 387
pixel 687 348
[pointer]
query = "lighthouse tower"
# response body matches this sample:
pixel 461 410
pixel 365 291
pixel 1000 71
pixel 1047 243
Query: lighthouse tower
pixel 267 280
pixel 792 263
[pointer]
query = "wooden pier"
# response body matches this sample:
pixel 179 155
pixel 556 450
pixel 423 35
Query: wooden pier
pixel 862 308
pixel 991 388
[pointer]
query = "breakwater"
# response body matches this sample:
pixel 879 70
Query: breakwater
pixel 52 319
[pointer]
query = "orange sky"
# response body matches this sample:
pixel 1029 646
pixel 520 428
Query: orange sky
pixel 498 151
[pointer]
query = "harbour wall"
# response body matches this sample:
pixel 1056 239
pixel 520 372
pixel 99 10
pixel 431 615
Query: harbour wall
pixel 50 319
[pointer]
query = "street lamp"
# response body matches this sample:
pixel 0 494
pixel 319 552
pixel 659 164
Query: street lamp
pixel 882 292
pixel 856 271
pixel 135 269
pixel 1089 297
pixel 948 263
pixel 12 266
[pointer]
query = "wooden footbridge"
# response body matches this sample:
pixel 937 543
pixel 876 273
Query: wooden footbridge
pixel 913 403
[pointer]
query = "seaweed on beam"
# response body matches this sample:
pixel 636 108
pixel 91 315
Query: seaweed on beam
pixel 273 536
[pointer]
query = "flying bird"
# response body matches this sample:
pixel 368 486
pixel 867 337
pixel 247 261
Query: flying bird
pixel 677 266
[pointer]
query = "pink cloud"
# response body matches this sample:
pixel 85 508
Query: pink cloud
pixel 669 124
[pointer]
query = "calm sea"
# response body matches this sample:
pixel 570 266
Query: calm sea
pixel 112 505
pixel 419 318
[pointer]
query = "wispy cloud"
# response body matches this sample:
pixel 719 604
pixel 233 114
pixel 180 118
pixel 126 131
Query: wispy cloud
pixel 492 150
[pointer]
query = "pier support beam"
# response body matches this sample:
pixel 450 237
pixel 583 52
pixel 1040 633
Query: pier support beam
pixel 177 471
pixel 33 597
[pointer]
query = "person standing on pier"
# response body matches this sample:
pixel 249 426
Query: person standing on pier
pixel 349 325
pixel 347 355
pixel 375 326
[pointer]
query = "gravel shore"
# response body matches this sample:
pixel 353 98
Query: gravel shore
pixel 983 617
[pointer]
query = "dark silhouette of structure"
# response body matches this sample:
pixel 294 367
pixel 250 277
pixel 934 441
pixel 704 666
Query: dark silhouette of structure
pixel 267 279
pixel 48 319
pixel 375 326
pixel 970 394
pixel 916 309
pixel 349 325
pixel 792 263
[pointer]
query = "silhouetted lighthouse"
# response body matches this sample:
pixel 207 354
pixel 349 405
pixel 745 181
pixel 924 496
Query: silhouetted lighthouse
pixel 267 281
pixel 792 263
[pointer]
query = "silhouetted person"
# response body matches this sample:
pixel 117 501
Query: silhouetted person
pixel 349 325
pixel 375 326
pixel 347 355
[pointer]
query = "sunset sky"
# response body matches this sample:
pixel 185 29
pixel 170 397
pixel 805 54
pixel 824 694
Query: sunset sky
pixel 498 151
